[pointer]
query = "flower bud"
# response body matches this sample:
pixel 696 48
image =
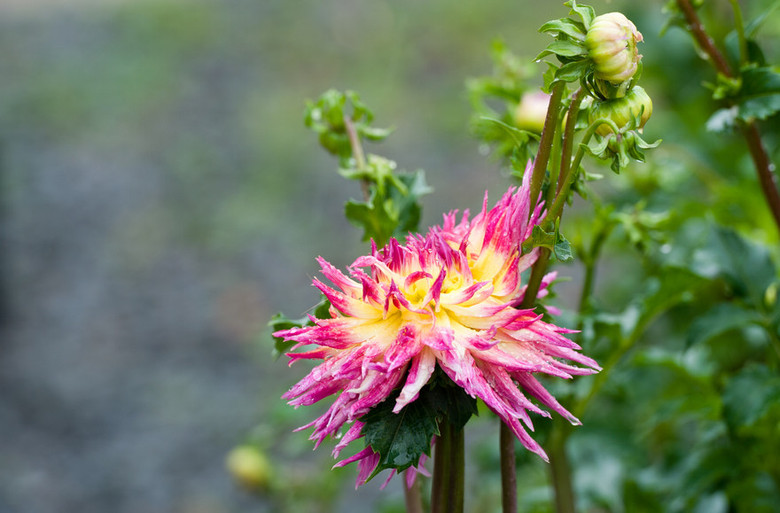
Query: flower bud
pixel 622 111
pixel 611 41
pixel 532 111
pixel 249 466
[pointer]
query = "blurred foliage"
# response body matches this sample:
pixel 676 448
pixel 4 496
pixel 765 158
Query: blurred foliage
pixel 208 96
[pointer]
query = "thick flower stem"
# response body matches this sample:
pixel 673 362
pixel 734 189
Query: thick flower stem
pixel 441 471
pixel 761 161
pixel 560 469
pixel 448 470
pixel 457 474
pixel 506 438
pixel 508 473
pixel 413 497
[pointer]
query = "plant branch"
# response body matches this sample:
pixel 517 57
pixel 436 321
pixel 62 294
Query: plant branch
pixel 740 24
pixel 357 153
pixel 545 143
pixel 568 138
pixel 761 161
pixel 702 38
pixel 508 473
pixel 448 470
pixel 412 496
pixel 560 469
pixel 764 168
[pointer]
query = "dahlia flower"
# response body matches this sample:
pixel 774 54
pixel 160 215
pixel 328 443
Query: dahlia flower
pixel 446 299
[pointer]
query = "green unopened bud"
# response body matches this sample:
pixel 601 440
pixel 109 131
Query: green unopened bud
pixel 611 43
pixel 632 111
pixel 531 111
pixel 250 467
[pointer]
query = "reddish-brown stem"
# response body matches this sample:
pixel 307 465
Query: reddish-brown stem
pixel 761 161
pixel 568 138
pixel 705 41
pixel 764 168
pixel 508 474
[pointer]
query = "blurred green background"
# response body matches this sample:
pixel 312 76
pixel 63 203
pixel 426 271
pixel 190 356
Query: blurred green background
pixel 161 199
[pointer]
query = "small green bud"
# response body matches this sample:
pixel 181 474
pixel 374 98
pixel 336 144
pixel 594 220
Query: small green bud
pixel 532 111
pixel 249 466
pixel 623 111
pixel 611 42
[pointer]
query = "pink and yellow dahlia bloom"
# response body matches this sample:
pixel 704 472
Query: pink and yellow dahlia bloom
pixel 446 299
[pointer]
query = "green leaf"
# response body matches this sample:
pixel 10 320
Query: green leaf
pixel 720 319
pixel 586 12
pixel 281 322
pixel 574 29
pixel 759 96
pixel 564 48
pixel 393 208
pixel 573 71
pixel 747 266
pixel 401 438
pixel 562 249
pixel 751 397
pixel 675 285
pixel 723 120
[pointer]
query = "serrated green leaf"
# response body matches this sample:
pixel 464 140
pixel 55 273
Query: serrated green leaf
pixel 759 96
pixel 401 438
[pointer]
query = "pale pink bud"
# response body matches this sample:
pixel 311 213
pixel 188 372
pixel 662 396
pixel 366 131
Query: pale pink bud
pixel 531 111
pixel 611 41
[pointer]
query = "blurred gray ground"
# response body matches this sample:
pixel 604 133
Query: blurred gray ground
pixel 161 199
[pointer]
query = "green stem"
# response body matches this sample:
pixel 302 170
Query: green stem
pixel 568 138
pixel 412 496
pixel 507 439
pixel 448 470
pixel 508 474
pixel 557 207
pixel 560 469
pixel 457 474
pixel 545 143
pixel 555 169
pixel 740 24
pixel 357 153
